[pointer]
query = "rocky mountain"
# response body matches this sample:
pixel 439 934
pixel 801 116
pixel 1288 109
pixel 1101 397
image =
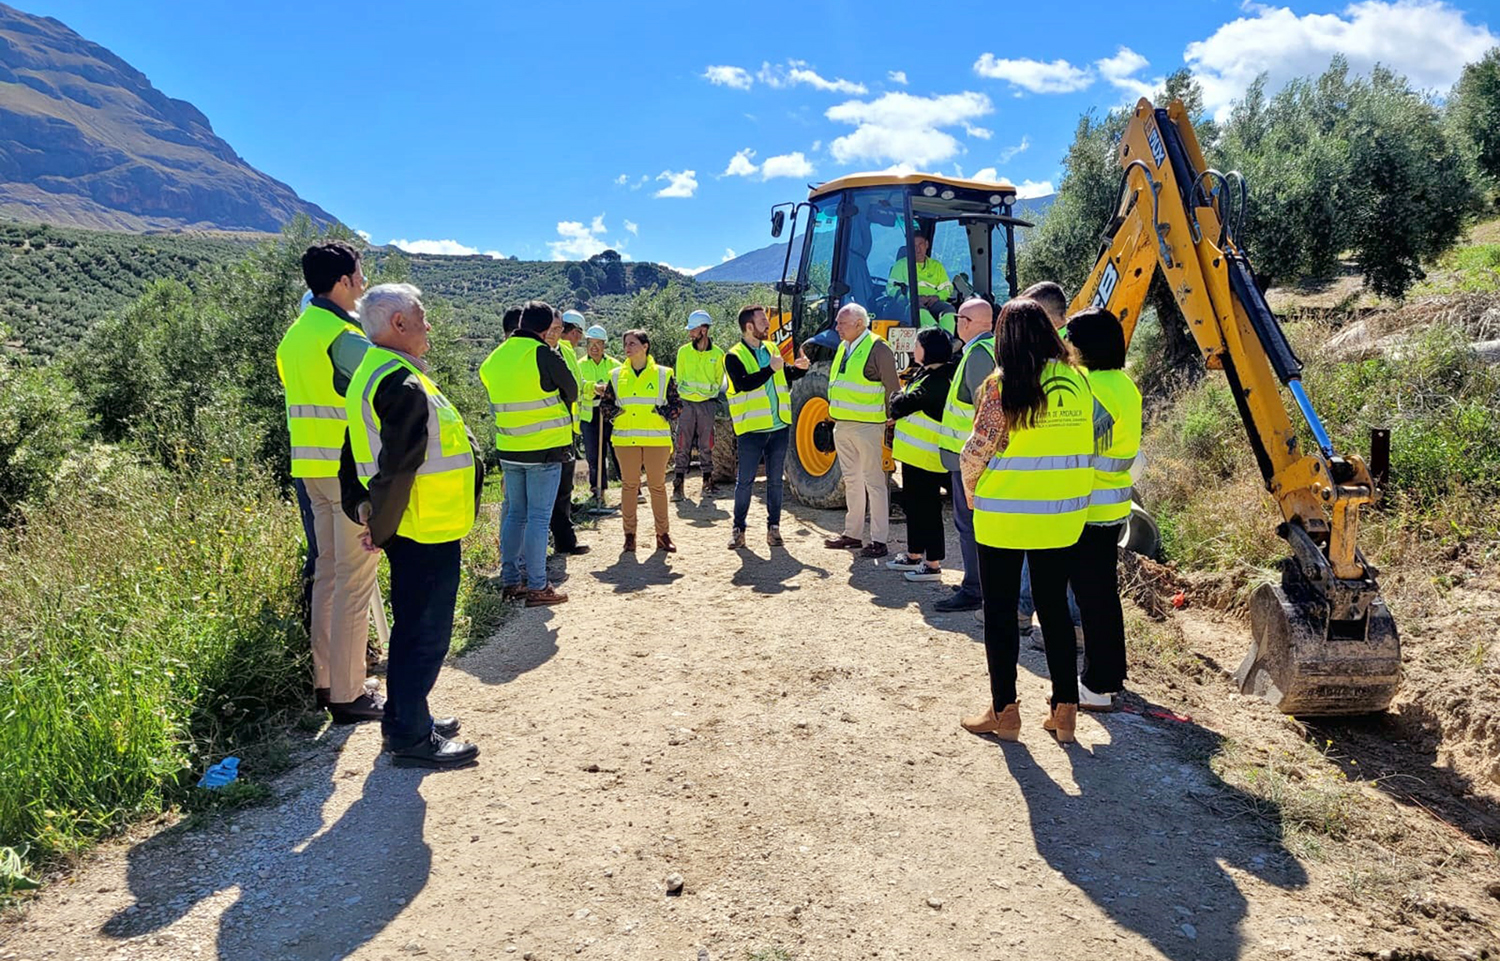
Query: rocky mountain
pixel 87 141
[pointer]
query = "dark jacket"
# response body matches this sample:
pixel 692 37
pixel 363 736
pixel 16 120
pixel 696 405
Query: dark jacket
pixel 742 381
pixel 927 392
pixel 401 404
pixel 555 375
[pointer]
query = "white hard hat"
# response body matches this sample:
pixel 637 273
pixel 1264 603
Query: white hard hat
pixel 573 318
pixel 307 297
pixel 597 332
pixel 699 318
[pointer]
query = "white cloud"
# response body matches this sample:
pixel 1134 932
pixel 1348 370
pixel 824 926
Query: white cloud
pixel 740 165
pixel 364 235
pixel 980 133
pixel 1427 40
pixel 798 72
pixel 1059 76
pixel 1121 69
pixel 729 255
pixel 448 248
pixel 1028 189
pixel 645 179
pixel 690 271
pixel 903 128
pixel 681 184
pixel 580 241
pixel 988 174
pixel 622 180
pixel 1010 153
pixel 897 76
pixel 633 227
pixel 736 78
pixel 793 164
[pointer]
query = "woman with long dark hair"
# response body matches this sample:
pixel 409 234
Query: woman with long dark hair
pixel 1028 471
pixel 917 415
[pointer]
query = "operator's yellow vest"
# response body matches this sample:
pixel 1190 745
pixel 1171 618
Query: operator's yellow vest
pixel 527 418
pixel 852 396
pixel 638 395
pixel 1035 494
pixel 699 373
pixel 1117 441
pixel 958 417
pixel 441 506
pixel 751 411
pixel 916 442
pixel 315 415
pixel 592 372
pixel 570 357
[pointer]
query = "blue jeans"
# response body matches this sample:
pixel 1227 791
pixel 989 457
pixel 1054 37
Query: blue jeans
pixel 1027 606
pixel 963 522
pixel 770 445
pixel 530 490
pixel 424 589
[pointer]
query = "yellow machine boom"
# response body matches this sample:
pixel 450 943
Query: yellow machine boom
pixel 1324 640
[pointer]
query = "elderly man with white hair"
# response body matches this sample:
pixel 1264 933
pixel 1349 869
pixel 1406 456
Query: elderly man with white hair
pixel 860 383
pixel 410 475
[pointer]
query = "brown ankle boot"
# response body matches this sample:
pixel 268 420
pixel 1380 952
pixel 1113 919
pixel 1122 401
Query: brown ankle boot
pixel 1006 725
pixel 630 543
pixel 664 543
pixel 1062 722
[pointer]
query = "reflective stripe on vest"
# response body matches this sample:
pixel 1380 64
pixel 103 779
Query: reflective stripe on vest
pixel 958 417
pixel 592 372
pixel 1117 441
pixel 570 357
pixel 638 395
pixel 699 373
pixel 752 411
pixel 916 442
pixel 527 418
pixel 1035 494
pixel 441 505
pixel 851 395
pixel 315 414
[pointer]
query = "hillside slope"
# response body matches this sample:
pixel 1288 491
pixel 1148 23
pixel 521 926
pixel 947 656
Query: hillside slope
pixel 87 141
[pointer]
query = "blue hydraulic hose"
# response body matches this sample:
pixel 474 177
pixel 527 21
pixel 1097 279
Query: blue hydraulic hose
pixel 1319 434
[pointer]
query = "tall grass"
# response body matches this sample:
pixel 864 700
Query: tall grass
pixel 147 623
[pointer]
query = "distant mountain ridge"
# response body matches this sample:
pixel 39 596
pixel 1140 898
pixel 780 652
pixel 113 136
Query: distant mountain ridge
pixel 87 141
pixel 763 266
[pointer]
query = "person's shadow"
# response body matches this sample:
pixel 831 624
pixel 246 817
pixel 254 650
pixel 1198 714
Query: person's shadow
pixel 321 899
pixel 704 512
pixel 774 574
pixel 514 648
pixel 1145 841
pixel 631 572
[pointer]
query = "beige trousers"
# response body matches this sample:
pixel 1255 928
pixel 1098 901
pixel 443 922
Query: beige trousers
pixel 654 461
pixel 859 448
pixel 343 583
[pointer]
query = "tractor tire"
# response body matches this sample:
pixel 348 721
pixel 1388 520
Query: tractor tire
pixel 813 474
pixel 726 450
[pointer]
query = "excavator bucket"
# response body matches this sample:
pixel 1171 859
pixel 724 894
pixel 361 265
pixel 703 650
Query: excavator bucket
pixel 1304 665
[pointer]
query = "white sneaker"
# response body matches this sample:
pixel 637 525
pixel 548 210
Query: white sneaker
pixel 904 562
pixel 1090 701
pixel 924 573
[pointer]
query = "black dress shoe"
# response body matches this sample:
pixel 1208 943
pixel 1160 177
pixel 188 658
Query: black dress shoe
pixel 446 726
pixel 577 549
pixel 959 601
pixel 366 707
pixel 436 752
pixel 320 696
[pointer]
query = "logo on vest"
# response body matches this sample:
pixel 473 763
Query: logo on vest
pixel 1058 389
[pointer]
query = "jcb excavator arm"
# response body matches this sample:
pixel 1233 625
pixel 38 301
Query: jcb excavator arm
pixel 1324 640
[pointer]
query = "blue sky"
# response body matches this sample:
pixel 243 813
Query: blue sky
pixel 667 129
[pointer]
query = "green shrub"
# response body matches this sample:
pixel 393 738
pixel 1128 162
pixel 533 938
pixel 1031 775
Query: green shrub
pixel 40 424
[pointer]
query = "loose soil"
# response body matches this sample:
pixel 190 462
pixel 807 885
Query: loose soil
pixel 778 729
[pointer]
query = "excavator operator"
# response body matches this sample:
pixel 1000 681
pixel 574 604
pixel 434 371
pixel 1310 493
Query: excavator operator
pixel 933 286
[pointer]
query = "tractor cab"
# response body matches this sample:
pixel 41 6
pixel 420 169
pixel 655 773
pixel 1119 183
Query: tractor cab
pixel 863 241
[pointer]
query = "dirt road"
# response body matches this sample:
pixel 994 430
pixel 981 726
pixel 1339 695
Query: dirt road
pixel 778 728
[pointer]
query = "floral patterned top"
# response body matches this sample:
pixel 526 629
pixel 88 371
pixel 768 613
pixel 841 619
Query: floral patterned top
pixel 990 437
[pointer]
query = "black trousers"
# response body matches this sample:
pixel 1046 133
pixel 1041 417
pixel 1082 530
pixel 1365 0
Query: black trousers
pixel 424 589
pixel 1000 583
pixel 564 537
pixel 1096 585
pixel 922 499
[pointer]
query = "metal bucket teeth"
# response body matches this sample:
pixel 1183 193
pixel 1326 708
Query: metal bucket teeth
pixel 1295 665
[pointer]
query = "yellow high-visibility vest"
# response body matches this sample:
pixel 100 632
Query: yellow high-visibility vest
pixel 638 394
pixel 851 395
pixel 527 418
pixel 1117 441
pixel 958 417
pixel 915 442
pixel 315 415
pixel 441 506
pixel 570 357
pixel 699 373
pixel 1035 493
pixel 592 372
pixel 753 411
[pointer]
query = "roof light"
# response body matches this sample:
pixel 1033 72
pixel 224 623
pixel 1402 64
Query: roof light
pixel 996 198
pixel 947 195
pixel 929 191
pixel 1009 199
